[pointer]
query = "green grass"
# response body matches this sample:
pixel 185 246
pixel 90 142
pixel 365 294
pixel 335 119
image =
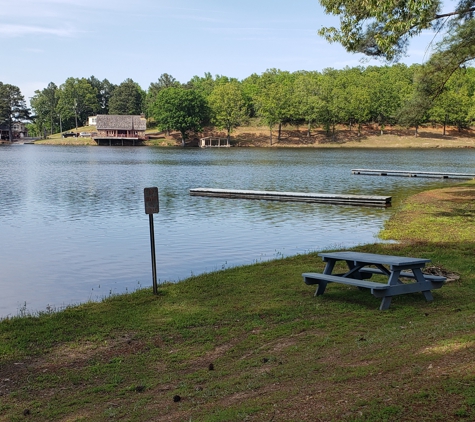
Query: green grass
pixel 253 343
pixel 57 139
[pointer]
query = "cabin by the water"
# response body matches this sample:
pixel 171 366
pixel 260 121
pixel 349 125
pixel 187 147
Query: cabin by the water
pixel 120 130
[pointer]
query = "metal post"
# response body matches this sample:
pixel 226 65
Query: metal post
pixel 152 207
pixel 154 264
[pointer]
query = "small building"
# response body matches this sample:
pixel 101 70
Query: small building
pixel 91 120
pixel 19 130
pixel 210 142
pixel 119 130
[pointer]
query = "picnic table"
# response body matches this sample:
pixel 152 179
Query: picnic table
pixel 362 266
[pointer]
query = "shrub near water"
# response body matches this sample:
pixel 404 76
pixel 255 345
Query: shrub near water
pixel 253 343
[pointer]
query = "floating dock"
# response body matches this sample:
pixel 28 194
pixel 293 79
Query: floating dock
pixel 362 200
pixel 408 173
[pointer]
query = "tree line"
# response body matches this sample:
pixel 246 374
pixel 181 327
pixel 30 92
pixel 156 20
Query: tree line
pixel 351 96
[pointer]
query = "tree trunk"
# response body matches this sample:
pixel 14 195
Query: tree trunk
pixel 416 132
pixel 270 136
pixel 359 129
pixel 309 128
pixel 445 125
pixel 10 134
pixel 182 139
pixel 280 131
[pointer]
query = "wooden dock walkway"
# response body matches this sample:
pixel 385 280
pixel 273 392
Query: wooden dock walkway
pixel 408 173
pixel 362 200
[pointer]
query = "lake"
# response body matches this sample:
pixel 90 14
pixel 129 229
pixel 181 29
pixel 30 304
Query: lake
pixel 73 225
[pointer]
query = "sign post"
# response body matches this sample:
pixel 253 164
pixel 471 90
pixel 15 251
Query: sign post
pixel 151 207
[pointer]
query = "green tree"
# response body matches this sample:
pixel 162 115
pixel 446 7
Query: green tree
pixel 273 100
pixel 128 98
pixel 328 115
pixel 353 97
pixel 204 85
pixel 45 107
pixel 384 28
pixel 12 107
pixel 390 88
pixel 227 106
pixel 250 89
pixel 104 91
pixel 164 81
pixel 179 109
pixel 453 105
pixel 77 100
pixel 307 98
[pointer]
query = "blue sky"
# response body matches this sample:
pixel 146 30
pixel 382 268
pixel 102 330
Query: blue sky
pixel 46 41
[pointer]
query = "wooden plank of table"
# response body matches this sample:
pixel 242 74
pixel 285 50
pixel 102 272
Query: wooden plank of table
pixel 371 258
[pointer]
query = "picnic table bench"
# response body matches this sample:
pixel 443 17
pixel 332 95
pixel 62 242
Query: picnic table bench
pixel 361 268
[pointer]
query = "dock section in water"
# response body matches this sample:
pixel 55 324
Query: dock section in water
pixel 409 173
pixel 338 199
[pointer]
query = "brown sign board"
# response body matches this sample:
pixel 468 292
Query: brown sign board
pixel 151 200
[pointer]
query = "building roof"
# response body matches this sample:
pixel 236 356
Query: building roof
pixel 119 122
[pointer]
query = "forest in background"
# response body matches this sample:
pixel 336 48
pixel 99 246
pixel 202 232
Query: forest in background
pixel 382 95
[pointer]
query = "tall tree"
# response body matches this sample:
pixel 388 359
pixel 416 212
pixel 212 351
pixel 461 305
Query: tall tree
pixel 328 111
pixel 180 109
pixel 274 99
pixel 45 106
pixel 12 107
pixel 127 98
pixel 104 91
pixel 77 100
pixel 358 97
pixel 250 89
pixel 307 98
pixel 227 106
pixel 384 28
pixel 204 85
pixel 454 103
pixel 164 81
pixel 390 88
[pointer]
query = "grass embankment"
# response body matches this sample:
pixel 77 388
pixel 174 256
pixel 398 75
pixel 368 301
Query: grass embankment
pixel 57 139
pixel 253 343
pixel 256 135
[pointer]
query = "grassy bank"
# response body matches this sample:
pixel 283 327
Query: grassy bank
pixel 256 135
pixel 253 343
pixel 57 139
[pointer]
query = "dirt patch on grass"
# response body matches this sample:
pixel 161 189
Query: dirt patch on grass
pixel 370 136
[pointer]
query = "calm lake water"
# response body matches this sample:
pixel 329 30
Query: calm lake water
pixel 73 226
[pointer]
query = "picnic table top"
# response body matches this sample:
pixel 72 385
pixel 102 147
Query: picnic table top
pixel 372 258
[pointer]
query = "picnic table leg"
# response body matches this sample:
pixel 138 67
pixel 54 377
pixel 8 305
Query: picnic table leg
pixel 392 281
pixel 421 279
pixel 385 303
pixel 322 285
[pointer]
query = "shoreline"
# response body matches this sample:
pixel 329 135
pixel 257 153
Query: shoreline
pixel 294 137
